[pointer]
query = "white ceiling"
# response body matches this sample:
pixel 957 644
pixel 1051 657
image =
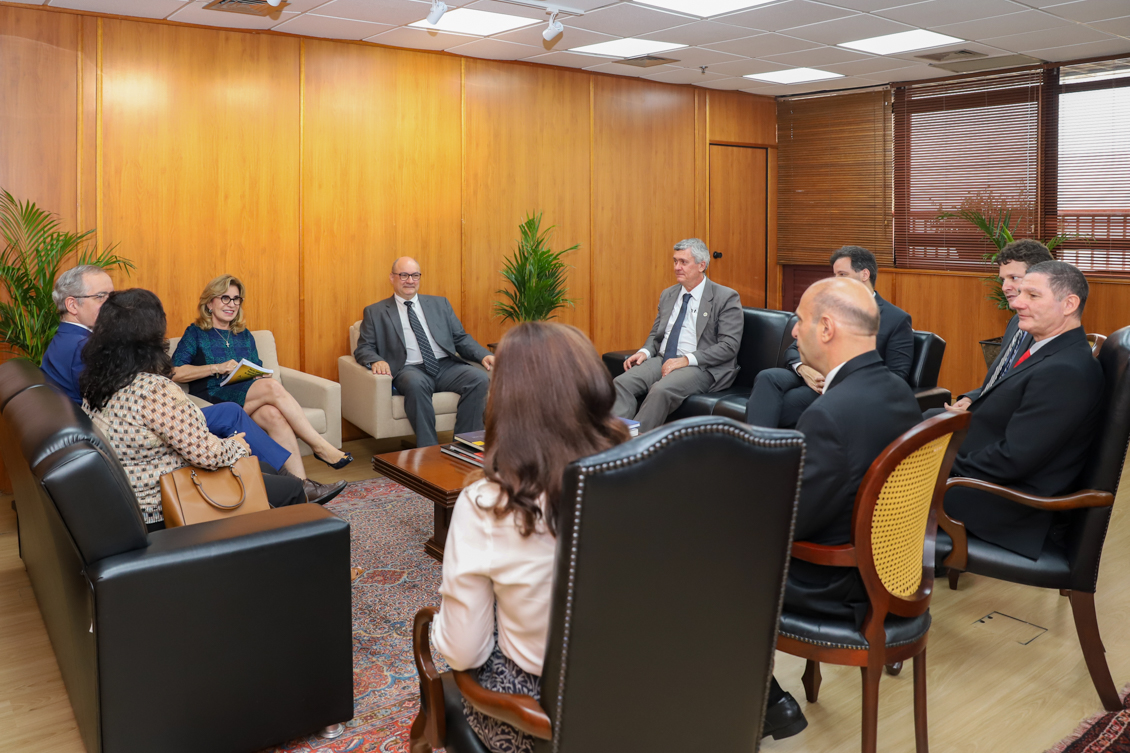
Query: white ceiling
pixel 770 37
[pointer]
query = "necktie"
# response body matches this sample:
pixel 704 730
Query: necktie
pixel 1006 363
pixel 431 365
pixel 672 349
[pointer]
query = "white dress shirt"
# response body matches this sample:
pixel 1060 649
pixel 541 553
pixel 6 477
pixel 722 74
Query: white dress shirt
pixel 1037 345
pixel 486 561
pixel 832 375
pixel 411 347
pixel 688 335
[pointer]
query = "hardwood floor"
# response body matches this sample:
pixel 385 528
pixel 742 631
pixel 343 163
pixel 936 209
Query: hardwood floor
pixel 994 685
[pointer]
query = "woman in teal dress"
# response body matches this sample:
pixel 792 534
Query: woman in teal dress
pixel 212 348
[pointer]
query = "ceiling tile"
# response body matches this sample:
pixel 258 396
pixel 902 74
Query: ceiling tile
pixel 731 83
pixel 564 59
pixel 1113 46
pixel 913 73
pixel 942 12
pixel 685 76
pixel 587 5
pixel 420 39
pixel 619 69
pixel 870 66
pixel 817 58
pixel 571 37
pixel 914 56
pixel 848 29
pixel 628 20
pixel 392 12
pixel 866 6
pixel 999 26
pixel 1038 40
pixel 693 57
pixel 302 6
pixel 136 8
pixel 312 25
pixel 495 49
pixel 698 33
pixel 747 66
pixel 1119 26
pixel 1091 10
pixel 786 15
pixel 507 9
pixel 762 44
pixel 194 13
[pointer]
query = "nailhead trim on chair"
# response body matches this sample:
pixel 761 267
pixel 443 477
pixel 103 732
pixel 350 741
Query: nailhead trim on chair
pixel 828 644
pixel 585 471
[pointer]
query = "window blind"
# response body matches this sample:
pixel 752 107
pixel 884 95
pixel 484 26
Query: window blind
pixel 968 144
pixel 834 176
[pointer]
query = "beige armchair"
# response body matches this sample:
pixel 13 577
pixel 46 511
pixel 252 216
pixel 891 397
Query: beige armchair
pixel 320 398
pixel 367 401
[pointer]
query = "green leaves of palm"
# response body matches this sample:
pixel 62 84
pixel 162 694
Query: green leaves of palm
pixel 537 275
pixel 34 250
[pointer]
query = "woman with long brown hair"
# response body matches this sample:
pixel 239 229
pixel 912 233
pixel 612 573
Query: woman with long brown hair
pixel 550 403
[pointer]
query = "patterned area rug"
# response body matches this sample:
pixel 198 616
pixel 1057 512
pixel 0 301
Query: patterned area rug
pixel 389 526
pixel 1102 733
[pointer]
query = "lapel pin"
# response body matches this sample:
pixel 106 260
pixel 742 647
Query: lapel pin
pixel 705 314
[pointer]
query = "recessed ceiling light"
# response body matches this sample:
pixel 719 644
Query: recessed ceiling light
pixel 627 48
pixel 477 22
pixel 795 76
pixel 704 8
pixel 904 41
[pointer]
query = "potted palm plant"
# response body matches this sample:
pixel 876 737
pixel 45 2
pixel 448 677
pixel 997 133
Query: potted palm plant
pixel 34 249
pixel 536 274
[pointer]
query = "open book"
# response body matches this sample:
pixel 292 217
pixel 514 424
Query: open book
pixel 246 370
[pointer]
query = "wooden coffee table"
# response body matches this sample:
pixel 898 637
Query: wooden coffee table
pixel 433 475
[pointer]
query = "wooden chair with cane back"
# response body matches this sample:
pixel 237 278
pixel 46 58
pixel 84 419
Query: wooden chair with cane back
pixel 1071 565
pixel 892 544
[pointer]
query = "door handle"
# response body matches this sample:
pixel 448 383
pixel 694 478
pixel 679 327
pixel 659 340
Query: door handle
pixel 717 254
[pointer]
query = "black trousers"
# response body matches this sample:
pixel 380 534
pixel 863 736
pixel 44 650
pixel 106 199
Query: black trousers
pixel 470 382
pixel 281 491
pixel 779 397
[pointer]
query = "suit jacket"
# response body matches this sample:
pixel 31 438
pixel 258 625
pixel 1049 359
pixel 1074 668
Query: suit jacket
pixel 718 326
pixel 863 410
pixel 1009 333
pixel 1030 431
pixel 382 334
pixel 62 361
pixel 895 341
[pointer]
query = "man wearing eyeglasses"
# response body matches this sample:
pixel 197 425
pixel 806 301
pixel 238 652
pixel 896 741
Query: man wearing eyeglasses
pixel 79 294
pixel 419 342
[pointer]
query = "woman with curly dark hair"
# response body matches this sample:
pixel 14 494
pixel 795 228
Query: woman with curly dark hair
pixel 499 556
pixel 150 422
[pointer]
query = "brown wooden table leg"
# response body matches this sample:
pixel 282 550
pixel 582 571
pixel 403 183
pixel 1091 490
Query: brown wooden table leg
pixel 434 545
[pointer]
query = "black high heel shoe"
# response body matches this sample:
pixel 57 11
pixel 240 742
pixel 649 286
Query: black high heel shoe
pixel 339 464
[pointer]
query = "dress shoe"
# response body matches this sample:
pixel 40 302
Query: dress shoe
pixel 320 494
pixel 783 718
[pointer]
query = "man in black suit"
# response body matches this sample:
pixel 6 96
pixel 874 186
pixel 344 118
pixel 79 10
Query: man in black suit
pixel 419 342
pixel 1014 259
pixel 1032 427
pixel 863 408
pixel 780 396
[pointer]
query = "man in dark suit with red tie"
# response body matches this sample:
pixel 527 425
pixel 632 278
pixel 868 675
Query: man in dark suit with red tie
pixel 1033 423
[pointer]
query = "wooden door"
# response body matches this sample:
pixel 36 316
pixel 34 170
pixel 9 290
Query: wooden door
pixel 738 206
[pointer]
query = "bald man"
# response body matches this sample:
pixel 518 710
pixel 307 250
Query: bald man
pixel 419 342
pixel 864 407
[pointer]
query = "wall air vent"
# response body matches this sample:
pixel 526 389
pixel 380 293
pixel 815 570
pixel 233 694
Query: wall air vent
pixel 248 7
pixel 986 63
pixel 646 61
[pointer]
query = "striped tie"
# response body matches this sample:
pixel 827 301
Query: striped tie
pixel 1006 363
pixel 431 365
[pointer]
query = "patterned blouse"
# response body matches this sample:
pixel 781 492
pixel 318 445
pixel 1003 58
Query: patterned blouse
pixel 155 429
pixel 200 347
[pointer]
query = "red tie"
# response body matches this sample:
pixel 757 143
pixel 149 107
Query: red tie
pixel 1023 358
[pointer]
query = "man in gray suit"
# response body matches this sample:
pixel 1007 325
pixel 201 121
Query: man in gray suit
pixel 419 342
pixel 693 345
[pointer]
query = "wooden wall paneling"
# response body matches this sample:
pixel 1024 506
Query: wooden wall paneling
pixel 200 167
pixel 644 203
pixel 381 178
pixel 1108 306
pixel 526 147
pixel 88 123
pixel 702 165
pixel 773 270
pixel 39 109
pixel 740 118
pixel 738 202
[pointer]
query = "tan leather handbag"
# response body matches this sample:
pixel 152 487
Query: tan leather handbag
pixel 193 495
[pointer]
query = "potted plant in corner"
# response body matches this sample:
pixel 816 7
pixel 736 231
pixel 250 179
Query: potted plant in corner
pixel 536 274
pixel 994 218
pixel 34 249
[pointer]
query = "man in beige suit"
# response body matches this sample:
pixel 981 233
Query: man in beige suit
pixel 693 345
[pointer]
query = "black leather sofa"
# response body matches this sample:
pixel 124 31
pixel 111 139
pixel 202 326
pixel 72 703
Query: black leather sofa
pixel 767 334
pixel 228 636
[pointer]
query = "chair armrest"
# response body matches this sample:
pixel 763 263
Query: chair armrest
pixel 366 398
pixel 312 391
pixel 520 711
pixel 958 557
pixel 934 397
pixel 842 555
pixel 614 361
pixel 431 686
pixel 1085 498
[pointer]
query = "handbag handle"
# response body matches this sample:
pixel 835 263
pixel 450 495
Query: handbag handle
pixel 214 503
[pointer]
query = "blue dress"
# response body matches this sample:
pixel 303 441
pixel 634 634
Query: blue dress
pixel 203 347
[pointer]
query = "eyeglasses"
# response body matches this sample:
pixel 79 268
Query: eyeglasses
pixel 226 299
pixel 100 297
pixel 406 276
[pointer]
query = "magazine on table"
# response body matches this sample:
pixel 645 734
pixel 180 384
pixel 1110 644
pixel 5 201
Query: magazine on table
pixel 476 440
pixel 460 453
pixel 246 370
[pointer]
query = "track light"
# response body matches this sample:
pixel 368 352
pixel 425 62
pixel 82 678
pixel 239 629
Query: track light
pixel 274 3
pixel 554 29
pixel 436 13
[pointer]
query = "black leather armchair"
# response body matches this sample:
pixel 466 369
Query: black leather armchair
pixel 226 636
pixel 672 553
pixel 1073 566
pixel 924 370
